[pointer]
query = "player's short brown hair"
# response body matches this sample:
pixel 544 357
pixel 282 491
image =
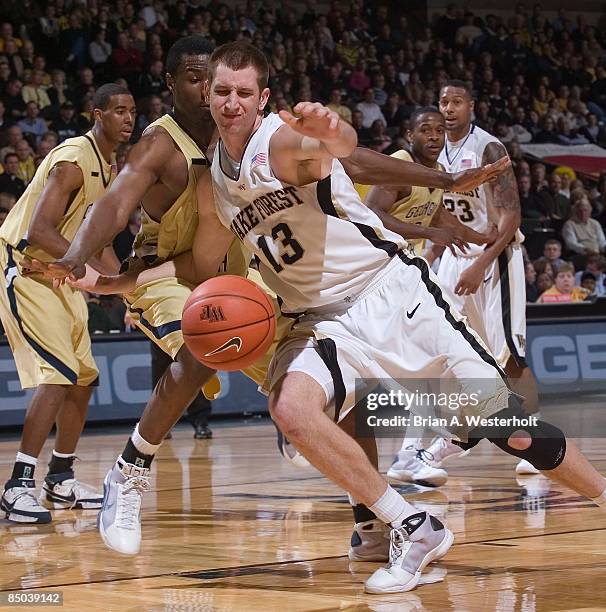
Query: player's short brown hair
pixel 237 56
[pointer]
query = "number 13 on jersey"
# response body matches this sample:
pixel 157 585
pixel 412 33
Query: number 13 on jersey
pixel 289 250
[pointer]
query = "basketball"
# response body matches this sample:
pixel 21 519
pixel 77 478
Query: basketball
pixel 228 323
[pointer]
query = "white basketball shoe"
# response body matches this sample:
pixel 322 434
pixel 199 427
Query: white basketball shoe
pixel 119 520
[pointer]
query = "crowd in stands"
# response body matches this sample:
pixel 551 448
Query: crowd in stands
pixel 538 77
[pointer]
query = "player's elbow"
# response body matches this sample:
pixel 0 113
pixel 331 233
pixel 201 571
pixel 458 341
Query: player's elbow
pixel 38 232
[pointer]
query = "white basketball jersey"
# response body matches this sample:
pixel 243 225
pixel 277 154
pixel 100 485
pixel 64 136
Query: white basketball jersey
pixel 316 244
pixel 470 207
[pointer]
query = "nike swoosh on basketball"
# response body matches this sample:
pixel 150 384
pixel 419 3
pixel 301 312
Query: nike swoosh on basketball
pixel 410 315
pixel 236 342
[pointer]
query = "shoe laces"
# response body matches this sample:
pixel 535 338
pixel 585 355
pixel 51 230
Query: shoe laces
pixel 129 502
pixel 399 545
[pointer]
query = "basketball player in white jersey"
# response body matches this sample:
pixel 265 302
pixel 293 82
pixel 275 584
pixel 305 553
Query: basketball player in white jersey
pixel 488 283
pixel 365 306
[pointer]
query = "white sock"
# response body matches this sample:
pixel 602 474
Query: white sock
pixel 411 443
pixel 392 508
pixel 23 458
pixel 141 444
pixel 600 500
pixel 62 455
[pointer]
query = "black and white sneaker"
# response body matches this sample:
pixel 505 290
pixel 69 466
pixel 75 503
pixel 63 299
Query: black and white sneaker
pixel 19 503
pixel 64 491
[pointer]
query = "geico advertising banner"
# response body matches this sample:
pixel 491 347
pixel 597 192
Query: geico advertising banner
pixel 124 385
pixel 568 357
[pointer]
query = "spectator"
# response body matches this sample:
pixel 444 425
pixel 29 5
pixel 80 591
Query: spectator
pixel 552 254
pixel 556 205
pixel 5 121
pixel 127 61
pixel 7 200
pixel 568 136
pixel 26 168
pixel 532 292
pixel 564 289
pixel 58 92
pixel 370 109
pixel 357 122
pixel 34 91
pixel 588 282
pixel 100 49
pixel 3 215
pixel 530 202
pixel 380 141
pixel 593 131
pixel 9 181
pixel 13 100
pixel 156 110
pixel 596 265
pixel 336 106
pixel 33 124
pixel 548 134
pixel 581 233
pixel 538 176
pixel 15 135
pixel 67 125
pixel 151 82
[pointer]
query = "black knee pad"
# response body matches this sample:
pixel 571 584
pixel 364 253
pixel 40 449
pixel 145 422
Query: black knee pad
pixel 548 443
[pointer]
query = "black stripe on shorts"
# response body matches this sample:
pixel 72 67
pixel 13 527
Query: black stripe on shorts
pixel 53 361
pixel 505 286
pixel 460 326
pixel 328 352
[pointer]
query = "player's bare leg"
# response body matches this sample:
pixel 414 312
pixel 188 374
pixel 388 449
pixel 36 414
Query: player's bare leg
pixel 297 406
pixel 575 472
pixel 119 519
pixel 60 488
pixel 370 538
pixel 522 381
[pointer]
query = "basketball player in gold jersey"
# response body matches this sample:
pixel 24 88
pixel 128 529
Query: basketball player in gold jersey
pixel 47 327
pixel 161 172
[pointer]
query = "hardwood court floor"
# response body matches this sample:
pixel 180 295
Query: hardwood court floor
pixel 230 526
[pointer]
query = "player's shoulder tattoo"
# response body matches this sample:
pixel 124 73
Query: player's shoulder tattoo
pixel 505 187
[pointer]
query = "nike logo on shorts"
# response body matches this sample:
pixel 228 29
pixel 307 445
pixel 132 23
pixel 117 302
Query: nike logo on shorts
pixel 487 279
pixel 410 315
pixel 236 342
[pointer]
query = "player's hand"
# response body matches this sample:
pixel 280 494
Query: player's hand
pixel 61 269
pixel 487 238
pixel 470 179
pixel 470 280
pixel 314 120
pixel 445 236
pixel 93 282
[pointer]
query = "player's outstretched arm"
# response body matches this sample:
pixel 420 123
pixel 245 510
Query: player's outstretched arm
pixel 212 239
pixel 110 213
pixel 381 199
pixel 63 180
pixel 369 167
pixel 302 151
pixel 211 243
pixel 445 219
pixel 503 202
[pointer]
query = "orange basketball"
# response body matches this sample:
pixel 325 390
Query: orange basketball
pixel 228 323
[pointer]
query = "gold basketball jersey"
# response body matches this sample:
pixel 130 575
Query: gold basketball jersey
pixel 173 234
pixel 98 174
pixel 420 206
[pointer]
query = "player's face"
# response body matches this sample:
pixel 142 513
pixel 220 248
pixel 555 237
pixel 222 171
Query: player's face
pixel 187 86
pixel 456 106
pixel 427 137
pixel 118 119
pixel 235 100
